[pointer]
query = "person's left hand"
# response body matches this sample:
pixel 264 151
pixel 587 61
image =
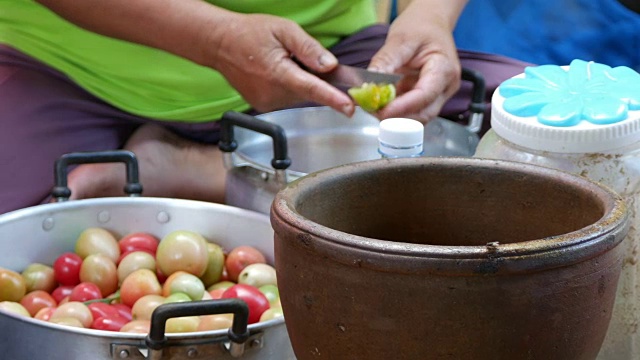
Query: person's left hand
pixel 423 48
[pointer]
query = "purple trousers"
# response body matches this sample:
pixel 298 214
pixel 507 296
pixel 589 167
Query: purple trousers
pixel 43 114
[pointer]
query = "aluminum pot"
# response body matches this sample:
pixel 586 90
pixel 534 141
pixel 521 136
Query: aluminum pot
pixel 266 152
pixel 41 233
pixel 447 258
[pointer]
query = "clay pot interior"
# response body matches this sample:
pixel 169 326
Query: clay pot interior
pixel 441 205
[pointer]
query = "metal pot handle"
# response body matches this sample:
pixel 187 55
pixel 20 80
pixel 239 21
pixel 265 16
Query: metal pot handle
pixel 238 332
pixel 227 143
pixel 477 105
pixel 61 191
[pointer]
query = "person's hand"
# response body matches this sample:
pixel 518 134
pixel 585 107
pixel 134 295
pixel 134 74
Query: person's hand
pixel 423 47
pixel 255 56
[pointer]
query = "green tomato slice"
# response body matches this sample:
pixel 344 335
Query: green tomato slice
pixel 373 97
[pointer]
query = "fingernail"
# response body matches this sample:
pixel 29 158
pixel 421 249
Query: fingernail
pixel 348 109
pixel 327 59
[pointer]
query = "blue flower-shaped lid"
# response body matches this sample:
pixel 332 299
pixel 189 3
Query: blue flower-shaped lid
pixel 583 107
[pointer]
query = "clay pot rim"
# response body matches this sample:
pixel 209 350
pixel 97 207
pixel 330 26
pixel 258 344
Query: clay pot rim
pixel 579 245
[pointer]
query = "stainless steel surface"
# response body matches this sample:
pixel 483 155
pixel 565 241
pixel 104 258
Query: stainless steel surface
pixel 41 233
pixel 320 138
pixel 349 76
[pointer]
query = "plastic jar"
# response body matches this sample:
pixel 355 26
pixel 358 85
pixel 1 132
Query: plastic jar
pixel 585 119
pixel 400 137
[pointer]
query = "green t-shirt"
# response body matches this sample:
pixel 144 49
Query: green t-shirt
pixel 153 83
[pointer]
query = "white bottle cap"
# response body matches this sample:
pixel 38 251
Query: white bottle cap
pixel 582 137
pixel 400 137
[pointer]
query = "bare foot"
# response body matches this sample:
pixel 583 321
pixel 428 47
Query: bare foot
pixel 170 166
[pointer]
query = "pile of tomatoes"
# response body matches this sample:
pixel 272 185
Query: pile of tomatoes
pixel 114 284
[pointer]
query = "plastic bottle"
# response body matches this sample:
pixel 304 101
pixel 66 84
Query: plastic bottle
pixel 400 137
pixel 583 118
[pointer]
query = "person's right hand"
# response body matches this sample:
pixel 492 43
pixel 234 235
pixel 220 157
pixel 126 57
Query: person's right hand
pixel 253 51
pixel 255 56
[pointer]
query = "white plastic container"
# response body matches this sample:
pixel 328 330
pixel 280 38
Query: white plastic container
pixel 584 119
pixel 400 137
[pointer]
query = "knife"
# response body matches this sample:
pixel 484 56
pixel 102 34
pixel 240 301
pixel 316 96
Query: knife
pixel 350 76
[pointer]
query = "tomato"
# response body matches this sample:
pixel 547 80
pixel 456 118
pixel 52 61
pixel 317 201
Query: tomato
pixel 14 308
pixel 97 241
pixel 215 322
pixel 177 297
pixel 66 269
pixel 241 257
pixel 123 310
pixel 44 314
pixel 133 261
pixel 221 285
pixel 182 324
pixel 39 277
pixel 257 302
pixel 100 270
pixel 100 309
pixel 73 309
pixel 271 313
pixel 215 265
pixel 143 308
pixel 37 300
pixel 85 291
pixel 67 321
pixel 182 251
pixel 258 275
pixel 271 292
pixel 12 286
pixel 216 293
pixel 138 284
pixel 61 292
pixel 184 282
pixel 109 323
pixel 139 241
pixel 137 327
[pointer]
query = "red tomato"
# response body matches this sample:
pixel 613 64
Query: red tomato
pixel 61 292
pixel 37 300
pixel 255 299
pixel 241 257
pixel 139 241
pixel 66 269
pixel 123 310
pixel 109 323
pixel 85 291
pixel 100 309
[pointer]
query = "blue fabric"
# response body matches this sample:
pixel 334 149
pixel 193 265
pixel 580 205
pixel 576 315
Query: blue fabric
pixel 552 31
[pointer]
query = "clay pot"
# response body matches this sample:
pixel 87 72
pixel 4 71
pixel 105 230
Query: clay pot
pixel 447 258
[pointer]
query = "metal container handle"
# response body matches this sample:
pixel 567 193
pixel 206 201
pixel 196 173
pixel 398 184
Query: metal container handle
pixel 238 332
pixel 280 161
pixel 61 191
pixel 477 105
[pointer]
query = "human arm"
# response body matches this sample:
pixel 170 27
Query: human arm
pixel 252 51
pixel 421 41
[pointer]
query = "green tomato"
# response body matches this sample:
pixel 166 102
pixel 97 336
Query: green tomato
pixel 271 292
pixel 183 282
pixel 373 97
pixel 177 297
pixel 215 265
pixel 221 285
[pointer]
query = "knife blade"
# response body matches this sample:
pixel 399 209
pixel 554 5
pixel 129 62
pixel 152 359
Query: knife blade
pixel 350 76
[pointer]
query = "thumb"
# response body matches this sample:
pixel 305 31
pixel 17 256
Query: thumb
pixel 389 59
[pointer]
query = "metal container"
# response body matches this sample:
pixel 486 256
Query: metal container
pixel 266 152
pixel 447 258
pixel 41 233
